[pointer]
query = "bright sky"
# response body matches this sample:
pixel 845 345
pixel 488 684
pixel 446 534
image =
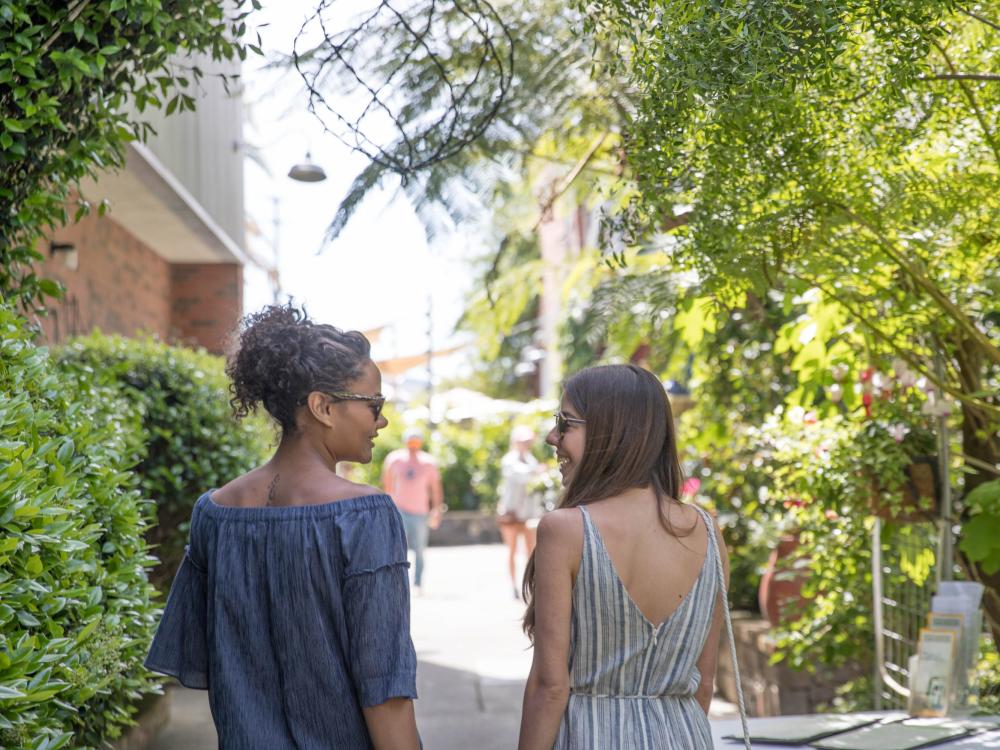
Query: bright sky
pixel 380 272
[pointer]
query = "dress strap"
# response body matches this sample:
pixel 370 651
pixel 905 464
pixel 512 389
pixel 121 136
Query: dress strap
pixel 713 541
pixel 589 537
pixel 724 596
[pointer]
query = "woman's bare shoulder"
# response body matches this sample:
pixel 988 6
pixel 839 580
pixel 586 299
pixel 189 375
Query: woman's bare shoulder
pixel 246 489
pixel 348 490
pixel 562 528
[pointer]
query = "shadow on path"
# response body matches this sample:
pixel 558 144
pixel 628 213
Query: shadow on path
pixel 456 709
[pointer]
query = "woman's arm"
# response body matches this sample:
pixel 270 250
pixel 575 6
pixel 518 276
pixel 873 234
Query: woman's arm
pixel 392 725
pixel 709 659
pixel 547 689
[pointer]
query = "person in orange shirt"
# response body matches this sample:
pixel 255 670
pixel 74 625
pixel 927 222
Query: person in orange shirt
pixel 411 477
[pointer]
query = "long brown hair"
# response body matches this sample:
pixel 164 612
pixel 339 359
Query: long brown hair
pixel 629 443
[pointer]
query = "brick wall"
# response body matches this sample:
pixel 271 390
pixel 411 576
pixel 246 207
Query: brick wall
pixel 121 285
pixel 774 689
pixel 207 302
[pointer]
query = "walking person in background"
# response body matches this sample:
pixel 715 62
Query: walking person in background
pixel 625 590
pixel 518 509
pixel 291 606
pixel 410 475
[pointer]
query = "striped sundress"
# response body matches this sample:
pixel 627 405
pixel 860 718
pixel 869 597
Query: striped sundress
pixel 632 684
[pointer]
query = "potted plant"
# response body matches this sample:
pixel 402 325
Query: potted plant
pixel 893 448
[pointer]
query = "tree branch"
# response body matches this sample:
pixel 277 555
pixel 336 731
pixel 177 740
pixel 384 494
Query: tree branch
pixel 673 221
pixel 74 12
pixel 978 463
pixel 979 18
pixel 961 77
pixel 904 354
pixel 927 285
pixel 567 182
pixel 987 133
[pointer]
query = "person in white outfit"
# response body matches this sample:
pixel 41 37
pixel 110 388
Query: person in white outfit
pixel 518 509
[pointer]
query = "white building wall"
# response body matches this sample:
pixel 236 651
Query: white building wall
pixel 204 149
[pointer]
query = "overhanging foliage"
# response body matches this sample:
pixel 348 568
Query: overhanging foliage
pixel 72 76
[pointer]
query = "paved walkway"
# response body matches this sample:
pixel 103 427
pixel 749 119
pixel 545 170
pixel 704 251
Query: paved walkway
pixel 473 660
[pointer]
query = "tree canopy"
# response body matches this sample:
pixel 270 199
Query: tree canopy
pixel 849 148
pixel 525 65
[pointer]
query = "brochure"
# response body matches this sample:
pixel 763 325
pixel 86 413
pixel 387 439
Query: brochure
pixel 801 730
pixel 933 684
pixel 897 735
pixel 957 606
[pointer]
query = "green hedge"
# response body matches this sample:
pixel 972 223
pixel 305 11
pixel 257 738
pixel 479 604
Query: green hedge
pixel 191 442
pixel 76 610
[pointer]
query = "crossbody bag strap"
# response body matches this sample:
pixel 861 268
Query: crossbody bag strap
pixel 723 591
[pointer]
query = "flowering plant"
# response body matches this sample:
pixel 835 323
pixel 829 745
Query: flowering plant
pixel 896 430
pixel 548 484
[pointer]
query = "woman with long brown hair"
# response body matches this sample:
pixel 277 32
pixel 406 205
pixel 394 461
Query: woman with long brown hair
pixel 623 590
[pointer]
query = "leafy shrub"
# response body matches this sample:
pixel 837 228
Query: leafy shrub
pixel 191 443
pixel 76 610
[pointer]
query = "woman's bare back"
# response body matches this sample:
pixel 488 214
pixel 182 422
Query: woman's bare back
pixel 657 568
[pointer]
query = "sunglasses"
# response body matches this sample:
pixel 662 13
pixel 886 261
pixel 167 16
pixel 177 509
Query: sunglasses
pixel 563 422
pixel 377 401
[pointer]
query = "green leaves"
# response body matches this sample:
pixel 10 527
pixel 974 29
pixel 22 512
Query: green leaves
pixel 67 72
pixel 65 496
pixel 981 541
pixel 830 162
pixel 696 318
pixel 184 435
pixel 981 533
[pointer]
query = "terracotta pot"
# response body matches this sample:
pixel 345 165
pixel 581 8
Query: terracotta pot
pixel 780 592
pixel 918 495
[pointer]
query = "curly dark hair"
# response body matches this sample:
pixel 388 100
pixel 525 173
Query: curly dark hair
pixel 280 356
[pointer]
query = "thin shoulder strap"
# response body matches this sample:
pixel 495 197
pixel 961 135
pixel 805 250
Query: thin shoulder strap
pixel 714 545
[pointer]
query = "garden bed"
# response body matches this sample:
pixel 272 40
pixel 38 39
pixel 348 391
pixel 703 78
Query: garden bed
pixel 773 689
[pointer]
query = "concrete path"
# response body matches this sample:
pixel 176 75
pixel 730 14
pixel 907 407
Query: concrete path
pixel 473 660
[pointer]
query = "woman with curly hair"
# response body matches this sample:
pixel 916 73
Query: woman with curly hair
pixel 626 589
pixel 291 606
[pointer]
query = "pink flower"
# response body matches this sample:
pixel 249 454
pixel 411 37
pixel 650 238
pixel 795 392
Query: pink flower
pixel 897 431
pixel 690 487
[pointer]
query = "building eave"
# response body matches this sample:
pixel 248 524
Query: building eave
pixel 152 204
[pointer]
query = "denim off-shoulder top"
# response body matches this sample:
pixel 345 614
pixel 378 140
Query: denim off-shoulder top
pixel 293 618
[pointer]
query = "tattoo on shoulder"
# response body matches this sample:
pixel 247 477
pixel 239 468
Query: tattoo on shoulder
pixel 271 488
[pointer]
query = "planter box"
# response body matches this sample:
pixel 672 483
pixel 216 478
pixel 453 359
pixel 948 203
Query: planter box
pixel 918 501
pixel 465 527
pixel 773 689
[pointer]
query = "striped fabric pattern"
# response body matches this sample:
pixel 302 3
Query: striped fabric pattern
pixel 632 683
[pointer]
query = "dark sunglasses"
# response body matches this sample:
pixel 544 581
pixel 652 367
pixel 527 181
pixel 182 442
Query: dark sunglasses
pixel 377 401
pixel 563 422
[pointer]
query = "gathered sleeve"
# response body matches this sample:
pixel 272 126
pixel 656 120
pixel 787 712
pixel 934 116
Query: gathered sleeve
pixel 382 661
pixel 179 647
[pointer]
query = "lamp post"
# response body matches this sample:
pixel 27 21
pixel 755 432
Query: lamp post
pixel 305 171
